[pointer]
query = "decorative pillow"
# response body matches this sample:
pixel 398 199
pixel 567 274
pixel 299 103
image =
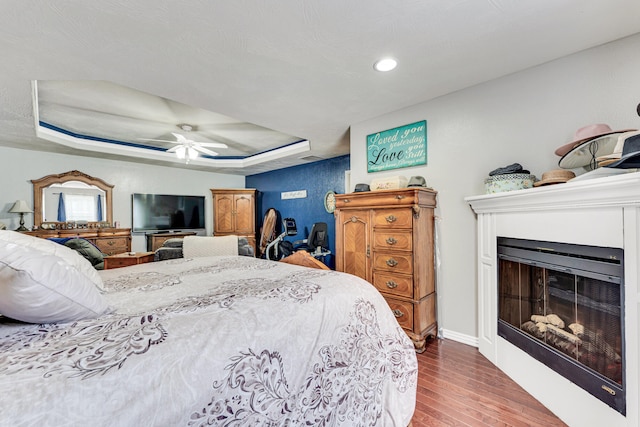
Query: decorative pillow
pixel 70 256
pixel 37 287
pixel 199 246
pixel 87 250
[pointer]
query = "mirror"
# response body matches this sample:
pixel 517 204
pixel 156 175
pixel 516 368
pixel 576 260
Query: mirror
pixel 78 197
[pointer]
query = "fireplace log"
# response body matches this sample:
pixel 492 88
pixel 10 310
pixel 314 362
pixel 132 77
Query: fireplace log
pixel 553 319
pixel 597 340
pixel 574 339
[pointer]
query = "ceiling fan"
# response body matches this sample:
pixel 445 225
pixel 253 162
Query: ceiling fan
pixel 187 148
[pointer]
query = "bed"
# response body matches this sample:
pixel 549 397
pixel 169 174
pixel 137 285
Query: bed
pixel 223 341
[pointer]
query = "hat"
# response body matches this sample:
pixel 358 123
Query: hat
pixel 585 154
pixel 630 156
pixel 417 181
pixel 555 176
pixel 617 150
pixel 361 188
pixel 585 134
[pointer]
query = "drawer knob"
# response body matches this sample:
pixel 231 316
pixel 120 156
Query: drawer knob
pixel 111 243
pixel 399 197
pixel 391 241
pixel 392 262
pixel 346 200
pixel 391 284
pixel 398 313
pixel 391 218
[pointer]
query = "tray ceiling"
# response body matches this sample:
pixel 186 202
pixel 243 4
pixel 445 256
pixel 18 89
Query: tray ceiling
pixel 301 68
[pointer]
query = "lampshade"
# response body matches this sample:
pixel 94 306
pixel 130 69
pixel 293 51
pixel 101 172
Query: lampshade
pixel 20 206
pixel 181 152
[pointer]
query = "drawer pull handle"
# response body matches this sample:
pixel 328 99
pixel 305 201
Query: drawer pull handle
pixel 399 197
pixel 391 241
pixel 346 200
pixel 392 262
pixel 391 218
pixel 398 313
pixel 111 243
pixel 391 284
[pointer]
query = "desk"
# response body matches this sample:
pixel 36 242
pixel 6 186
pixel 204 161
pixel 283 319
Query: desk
pixel 126 259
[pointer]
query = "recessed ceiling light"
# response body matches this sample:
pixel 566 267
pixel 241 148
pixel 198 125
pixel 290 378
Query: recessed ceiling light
pixel 385 64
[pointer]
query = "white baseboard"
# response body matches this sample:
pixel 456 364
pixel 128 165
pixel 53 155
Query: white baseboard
pixel 461 338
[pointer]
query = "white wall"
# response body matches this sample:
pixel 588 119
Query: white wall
pixel 520 118
pixel 19 167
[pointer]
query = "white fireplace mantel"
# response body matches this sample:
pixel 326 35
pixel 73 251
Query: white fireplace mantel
pixel 599 212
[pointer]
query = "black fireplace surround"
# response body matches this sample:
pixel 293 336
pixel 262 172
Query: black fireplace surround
pixel 563 304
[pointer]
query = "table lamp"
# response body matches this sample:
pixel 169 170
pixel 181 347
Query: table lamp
pixel 21 207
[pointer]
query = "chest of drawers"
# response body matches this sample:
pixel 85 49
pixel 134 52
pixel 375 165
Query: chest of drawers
pixel 386 237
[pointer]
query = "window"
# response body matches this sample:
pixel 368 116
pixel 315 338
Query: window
pixel 80 207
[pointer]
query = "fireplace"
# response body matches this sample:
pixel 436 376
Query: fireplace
pixel 585 215
pixel 563 305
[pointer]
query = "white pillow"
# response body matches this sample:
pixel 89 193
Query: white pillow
pixel 199 246
pixel 52 248
pixel 36 287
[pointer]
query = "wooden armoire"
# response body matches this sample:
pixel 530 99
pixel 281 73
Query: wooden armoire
pixel 387 238
pixel 234 212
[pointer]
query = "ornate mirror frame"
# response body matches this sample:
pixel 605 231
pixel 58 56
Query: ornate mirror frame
pixel 44 182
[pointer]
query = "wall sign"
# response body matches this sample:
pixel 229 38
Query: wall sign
pixel 396 148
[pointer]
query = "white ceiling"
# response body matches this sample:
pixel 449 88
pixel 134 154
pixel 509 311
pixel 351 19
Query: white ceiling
pixel 298 67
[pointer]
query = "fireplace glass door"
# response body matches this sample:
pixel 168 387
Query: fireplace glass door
pixel 563 305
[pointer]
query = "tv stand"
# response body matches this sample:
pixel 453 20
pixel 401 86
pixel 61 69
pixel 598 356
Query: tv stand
pixel 155 240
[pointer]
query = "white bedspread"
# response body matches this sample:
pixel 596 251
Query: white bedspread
pixel 223 341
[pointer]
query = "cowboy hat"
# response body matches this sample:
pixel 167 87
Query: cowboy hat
pixel 586 133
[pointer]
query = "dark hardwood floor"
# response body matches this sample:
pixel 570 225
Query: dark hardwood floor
pixel 457 386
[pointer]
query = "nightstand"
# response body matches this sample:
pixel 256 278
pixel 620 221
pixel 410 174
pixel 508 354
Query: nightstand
pixel 127 258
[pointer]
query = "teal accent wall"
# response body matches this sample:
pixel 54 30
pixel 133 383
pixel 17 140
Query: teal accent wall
pixel 317 178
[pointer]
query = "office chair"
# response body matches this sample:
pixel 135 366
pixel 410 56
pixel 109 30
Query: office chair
pixel 317 242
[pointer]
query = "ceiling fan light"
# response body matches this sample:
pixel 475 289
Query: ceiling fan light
pixel 193 154
pixel 181 152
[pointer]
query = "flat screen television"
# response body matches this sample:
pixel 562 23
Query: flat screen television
pixel 164 212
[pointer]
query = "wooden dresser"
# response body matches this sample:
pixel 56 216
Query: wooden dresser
pixel 386 237
pixel 234 212
pixel 155 240
pixel 110 241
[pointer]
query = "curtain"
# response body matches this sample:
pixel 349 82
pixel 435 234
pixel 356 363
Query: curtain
pixel 62 212
pixel 99 210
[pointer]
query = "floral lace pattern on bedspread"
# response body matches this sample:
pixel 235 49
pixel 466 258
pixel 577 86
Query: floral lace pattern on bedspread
pixel 153 280
pixel 87 348
pixel 81 349
pixel 345 387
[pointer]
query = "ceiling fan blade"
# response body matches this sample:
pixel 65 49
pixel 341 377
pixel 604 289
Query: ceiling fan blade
pixel 212 144
pixel 204 150
pixel 179 137
pixel 173 149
